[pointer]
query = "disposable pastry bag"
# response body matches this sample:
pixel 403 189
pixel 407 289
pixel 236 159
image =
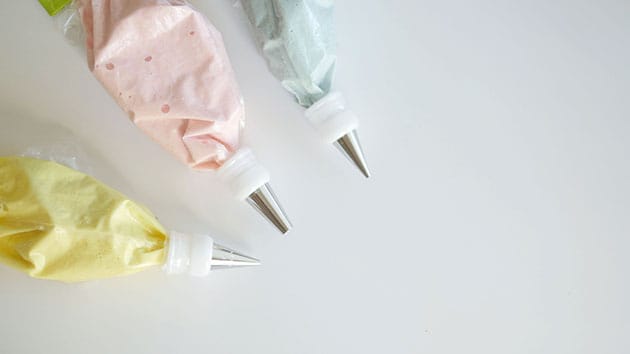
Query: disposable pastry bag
pixel 297 39
pixel 61 224
pixel 166 66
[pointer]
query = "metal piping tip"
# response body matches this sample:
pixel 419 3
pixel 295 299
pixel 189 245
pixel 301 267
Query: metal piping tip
pixel 350 146
pixel 264 200
pixel 223 257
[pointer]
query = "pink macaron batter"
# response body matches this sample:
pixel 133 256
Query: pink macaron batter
pixel 167 67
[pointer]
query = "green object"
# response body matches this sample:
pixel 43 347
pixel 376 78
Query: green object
pixel 54 6
pixel 297 39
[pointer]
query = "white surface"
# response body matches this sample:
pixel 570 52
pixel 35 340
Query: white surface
pixel 496 220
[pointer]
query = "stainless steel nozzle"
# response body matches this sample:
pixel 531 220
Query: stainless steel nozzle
pixel 350 146
pixel 264 200
pixel 223 257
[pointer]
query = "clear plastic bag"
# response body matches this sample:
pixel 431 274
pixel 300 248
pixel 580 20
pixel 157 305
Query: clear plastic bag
pixel 68 21
pixel 49 141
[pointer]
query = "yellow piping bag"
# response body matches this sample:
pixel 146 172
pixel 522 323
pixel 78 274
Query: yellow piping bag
pixel 61 224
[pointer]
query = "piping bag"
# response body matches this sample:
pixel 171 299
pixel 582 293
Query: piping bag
pixel 61 224
pixel 166 66
pixel 297 39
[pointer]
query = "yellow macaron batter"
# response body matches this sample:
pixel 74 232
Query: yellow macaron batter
pixel 59 223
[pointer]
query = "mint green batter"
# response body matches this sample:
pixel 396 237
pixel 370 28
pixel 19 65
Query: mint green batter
pixel 297 39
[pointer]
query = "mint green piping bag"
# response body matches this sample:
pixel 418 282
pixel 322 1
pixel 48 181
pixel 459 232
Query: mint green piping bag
pixel 297 39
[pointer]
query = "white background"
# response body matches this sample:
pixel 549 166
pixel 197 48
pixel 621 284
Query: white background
pixel 496 220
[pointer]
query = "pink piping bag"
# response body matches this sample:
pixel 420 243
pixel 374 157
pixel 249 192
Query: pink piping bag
pixel 166 66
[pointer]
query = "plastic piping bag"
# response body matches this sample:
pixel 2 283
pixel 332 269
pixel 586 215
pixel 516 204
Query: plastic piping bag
pixel 166 66
pixel 61 224
pixel 297 39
